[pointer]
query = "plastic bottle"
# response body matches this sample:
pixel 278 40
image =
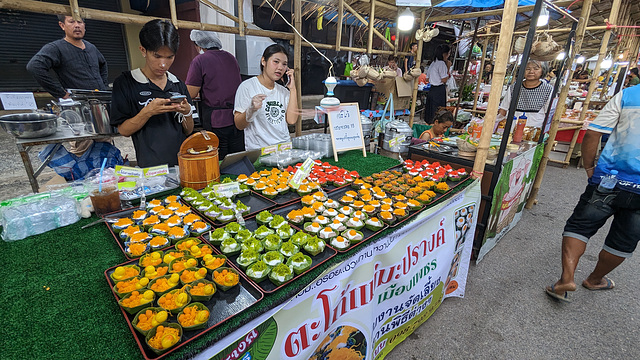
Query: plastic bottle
pixel 608 182
pixel 519 131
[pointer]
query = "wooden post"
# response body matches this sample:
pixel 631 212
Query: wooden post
pixel 621 40
pixel 613 17
pixel 366 23
pixel 466 67
pixel 372 18
pixel 484 55
pixel 414 94
pixel 75 12
pixel 560 108
pixel 174 13
pixel 395 45
pixel 297 58
pixel 339 24
pixel 499 72
pixel 241 17
pixel 222 11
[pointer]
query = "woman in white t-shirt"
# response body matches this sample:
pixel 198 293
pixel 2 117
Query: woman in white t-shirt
pixel 262 107
pixel 437 76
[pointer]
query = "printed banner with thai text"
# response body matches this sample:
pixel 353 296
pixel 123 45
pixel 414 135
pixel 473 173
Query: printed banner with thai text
pixel 365 306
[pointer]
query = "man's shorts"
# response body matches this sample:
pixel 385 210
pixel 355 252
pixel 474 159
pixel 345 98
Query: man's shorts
pixel 592 212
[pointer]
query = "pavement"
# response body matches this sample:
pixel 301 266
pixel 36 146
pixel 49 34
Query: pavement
pixel 507 315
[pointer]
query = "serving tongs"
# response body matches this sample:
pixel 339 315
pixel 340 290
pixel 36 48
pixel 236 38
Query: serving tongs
pixel 108 219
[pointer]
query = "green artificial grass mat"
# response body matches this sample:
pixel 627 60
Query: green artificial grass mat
pixel 57 304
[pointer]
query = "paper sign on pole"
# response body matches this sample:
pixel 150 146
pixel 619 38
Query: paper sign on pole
pixel 346 130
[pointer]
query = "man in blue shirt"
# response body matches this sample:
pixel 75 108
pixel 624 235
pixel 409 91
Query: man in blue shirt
pixel 620 118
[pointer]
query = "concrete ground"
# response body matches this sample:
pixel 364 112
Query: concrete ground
pixel 507 315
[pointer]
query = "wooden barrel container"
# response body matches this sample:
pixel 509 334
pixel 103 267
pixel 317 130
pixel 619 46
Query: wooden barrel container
pixel 198 160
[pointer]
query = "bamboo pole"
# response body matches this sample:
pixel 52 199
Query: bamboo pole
pixel 222 11
pixel 339 24
pixel 562 98
pixel 558 30
pixel 115 17
pixel 354 49
pixel 621 40
pixel 366 23
pixel 476 14
pixel 75 13
pixel 613 17
pixel 466 67
pixel 504 43
pixel 485 44
pixel 414 94
pixel 382 5
pixel 174 13
pixel 297 58
pixel 396 47
pixel 240 21
pixel 372 18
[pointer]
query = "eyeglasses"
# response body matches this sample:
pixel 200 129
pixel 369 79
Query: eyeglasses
pixel 531 70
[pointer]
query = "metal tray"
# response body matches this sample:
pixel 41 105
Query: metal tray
pixel 292 196
pixel 255 201
pixel 266 285
pixel 223 306
pixel 366 233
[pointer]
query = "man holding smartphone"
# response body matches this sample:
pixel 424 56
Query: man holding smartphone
pixel 150 104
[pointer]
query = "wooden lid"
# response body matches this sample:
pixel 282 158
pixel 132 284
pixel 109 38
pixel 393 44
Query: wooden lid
pixel 199 142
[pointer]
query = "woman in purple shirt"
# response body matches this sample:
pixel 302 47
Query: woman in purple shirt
pixel 215 74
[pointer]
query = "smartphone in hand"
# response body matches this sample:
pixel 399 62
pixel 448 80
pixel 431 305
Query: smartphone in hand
pixel 177 99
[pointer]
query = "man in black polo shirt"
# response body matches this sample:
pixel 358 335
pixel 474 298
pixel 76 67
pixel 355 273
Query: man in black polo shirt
pixel 158 142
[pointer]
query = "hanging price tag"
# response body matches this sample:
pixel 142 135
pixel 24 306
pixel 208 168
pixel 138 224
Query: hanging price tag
pixel 301 173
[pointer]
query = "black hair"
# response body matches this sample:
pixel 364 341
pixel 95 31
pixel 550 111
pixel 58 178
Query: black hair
pixel 392 58
pixel 440 50
pixel 62 18
pixel 158 33
pixel 272 50
pixel 634 71
pixel 443 115
pixel 411 45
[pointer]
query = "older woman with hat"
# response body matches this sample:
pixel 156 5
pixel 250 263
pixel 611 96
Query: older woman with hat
pixel 215 74
pixel 535 95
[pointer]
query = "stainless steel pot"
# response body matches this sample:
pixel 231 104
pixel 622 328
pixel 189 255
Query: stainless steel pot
pixel 29 125
pixel 367 126
pixel 400 130
pixel 100 116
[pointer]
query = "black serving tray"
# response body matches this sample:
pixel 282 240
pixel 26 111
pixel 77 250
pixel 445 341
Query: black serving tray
pixel 266 285
pixel 223 306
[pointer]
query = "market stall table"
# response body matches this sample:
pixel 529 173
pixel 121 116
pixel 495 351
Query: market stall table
pixel 64 299
pixel 64 134
pixel 491 177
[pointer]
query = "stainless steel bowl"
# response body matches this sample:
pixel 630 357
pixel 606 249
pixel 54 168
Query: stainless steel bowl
pixel 29 125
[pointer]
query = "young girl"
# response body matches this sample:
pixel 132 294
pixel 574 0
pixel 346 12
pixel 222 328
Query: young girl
pixel 262 107
pixel 140 103
pixel 442 121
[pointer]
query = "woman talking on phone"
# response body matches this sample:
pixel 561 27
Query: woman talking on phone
pixel 262 107
pixel 151 104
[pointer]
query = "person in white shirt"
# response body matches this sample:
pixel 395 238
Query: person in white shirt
pixel 437 76
pixel 262 107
